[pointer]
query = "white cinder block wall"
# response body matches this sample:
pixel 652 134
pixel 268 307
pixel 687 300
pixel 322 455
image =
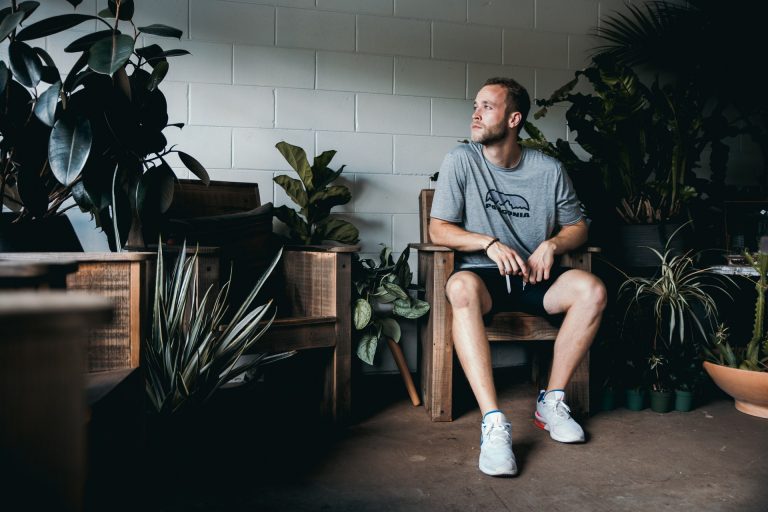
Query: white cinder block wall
pixel 387 83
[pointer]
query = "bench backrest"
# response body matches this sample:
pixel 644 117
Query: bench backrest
pixel 425 206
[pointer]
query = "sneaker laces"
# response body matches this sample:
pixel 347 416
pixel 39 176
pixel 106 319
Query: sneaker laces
pixel 497 433
pixel 561 409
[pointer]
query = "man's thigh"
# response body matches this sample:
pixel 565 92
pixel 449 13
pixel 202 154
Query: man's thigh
pixel 563 292
pixel 528 298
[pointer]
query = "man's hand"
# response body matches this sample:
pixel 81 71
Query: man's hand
pixel 509 262
pixel 541 262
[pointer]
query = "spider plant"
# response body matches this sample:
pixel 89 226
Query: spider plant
pixel 191 352
pixel 678 294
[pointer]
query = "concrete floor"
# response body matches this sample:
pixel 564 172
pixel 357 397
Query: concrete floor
pixel 393 459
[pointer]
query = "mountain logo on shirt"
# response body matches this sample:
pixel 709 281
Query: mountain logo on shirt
pixel 513 205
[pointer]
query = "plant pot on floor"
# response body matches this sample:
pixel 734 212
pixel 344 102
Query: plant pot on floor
pixel 609 399
pixel 635 399
pixel 662 401
pixel 683 400
pixel 749 389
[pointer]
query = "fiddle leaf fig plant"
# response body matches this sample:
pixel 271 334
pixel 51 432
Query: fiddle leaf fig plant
pixel 315 196
pixel 93 133
pixel 379 297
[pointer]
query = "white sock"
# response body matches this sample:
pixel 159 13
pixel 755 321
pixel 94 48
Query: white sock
pixel 555 394
pixel 495 416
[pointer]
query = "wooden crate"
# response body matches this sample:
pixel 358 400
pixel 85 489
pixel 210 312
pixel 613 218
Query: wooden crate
pixel 191 198
pixel 126 278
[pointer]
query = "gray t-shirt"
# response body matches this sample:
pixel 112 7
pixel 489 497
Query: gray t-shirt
pixel 521 206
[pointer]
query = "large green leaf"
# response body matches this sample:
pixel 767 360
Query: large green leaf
pixel 323 159
pixel 155 190
pixel 157 29
pixel 161 69
pixel 9 23
pixel 126 9
pixel 338 230
pixel 53 25
pixel 293 188
pixel 395 290
pixel 68 148
pixel 409 310
pixel 366 349
pixel 82 197
pixel 299 229
pixel 329 197
pixel 5 75
pixel 390 328
pixel 110 54
pixel 297 158
pixel 84 43
pixel 45 108
pixel 25 64
pixel 196 167
pixel 362 313
pixel 29 7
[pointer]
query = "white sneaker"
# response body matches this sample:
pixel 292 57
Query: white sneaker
pixel 555 416
pixel 496 457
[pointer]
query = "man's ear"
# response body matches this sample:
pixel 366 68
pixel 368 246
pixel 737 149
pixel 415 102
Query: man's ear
pixel 515 119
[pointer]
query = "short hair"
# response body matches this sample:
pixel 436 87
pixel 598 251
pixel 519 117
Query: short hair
pixel 518 99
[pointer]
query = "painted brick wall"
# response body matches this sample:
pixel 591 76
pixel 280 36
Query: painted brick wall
pixel 387 83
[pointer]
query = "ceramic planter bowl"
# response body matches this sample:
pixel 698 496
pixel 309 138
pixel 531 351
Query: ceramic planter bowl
pixel 749 389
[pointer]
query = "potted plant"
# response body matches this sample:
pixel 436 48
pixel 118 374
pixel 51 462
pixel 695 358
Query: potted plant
pixel 742 371
pixel 93 133
pixel 642 145
pixel 315 196
pixel 679 298
pixel 380 296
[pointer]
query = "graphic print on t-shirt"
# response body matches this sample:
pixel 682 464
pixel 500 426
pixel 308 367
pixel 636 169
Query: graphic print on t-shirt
pixel 513 205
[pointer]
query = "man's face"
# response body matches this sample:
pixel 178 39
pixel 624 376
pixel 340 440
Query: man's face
pixel 490 123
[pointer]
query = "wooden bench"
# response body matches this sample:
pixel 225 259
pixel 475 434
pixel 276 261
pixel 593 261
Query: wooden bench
pixel 315 313
pixel 436 367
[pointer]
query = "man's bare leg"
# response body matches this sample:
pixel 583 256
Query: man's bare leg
pixel 582 297
pixel 470 300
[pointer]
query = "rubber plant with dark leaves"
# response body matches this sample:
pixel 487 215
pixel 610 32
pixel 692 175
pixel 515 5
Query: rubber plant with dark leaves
pixel 315 196
pixel 94 134
pixel 379 298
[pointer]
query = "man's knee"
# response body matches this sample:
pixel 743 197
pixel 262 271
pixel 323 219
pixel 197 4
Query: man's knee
pixel 463 289
pixel 591 292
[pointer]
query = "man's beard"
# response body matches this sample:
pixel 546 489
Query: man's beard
pixel 492 135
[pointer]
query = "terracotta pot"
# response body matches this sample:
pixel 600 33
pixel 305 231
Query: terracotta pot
pixel 749 389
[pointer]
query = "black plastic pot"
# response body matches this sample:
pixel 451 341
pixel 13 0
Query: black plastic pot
pixel 49 234
pixel 662 401
pixel 636 238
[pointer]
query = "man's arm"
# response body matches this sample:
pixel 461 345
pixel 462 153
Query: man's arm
pixel 568 238
pixel 451 235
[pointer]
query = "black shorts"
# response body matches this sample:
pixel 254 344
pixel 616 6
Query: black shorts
pixel 530 300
